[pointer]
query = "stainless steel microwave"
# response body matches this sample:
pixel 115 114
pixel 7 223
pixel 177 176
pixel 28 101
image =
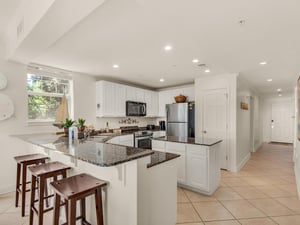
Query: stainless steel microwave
pixel 136 108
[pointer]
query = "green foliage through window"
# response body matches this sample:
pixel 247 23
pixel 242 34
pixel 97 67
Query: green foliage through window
pixel 44 96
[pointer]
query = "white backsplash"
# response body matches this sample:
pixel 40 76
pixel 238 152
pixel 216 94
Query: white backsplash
pixel 115 122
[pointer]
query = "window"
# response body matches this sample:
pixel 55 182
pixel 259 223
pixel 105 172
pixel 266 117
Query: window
pixel 44 96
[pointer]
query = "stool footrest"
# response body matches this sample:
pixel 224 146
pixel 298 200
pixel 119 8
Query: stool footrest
pixel 84 222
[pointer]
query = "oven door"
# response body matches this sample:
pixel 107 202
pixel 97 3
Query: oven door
pixel 143 142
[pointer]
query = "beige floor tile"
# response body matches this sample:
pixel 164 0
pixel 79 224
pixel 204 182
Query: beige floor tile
pixel 181 196
pixel 186 213
pixel 287 220
pixel 12 219
pixel 197 197
pixel 210 211
pixel 255 180
pixel 292 203
pixel 274 191
pixel 249 192
pixel 7 201
pixel 291 188
pixel 257 221
pixel 223 222
pixel 189 223
pixel 234 181
pixel 242 209
pixel 226 194
pixel 271 207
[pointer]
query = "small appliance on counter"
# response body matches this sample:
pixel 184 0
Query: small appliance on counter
pixel 162 125
pixel 150 127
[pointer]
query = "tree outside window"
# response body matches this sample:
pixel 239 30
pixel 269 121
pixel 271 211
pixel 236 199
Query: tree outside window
pixel 44 96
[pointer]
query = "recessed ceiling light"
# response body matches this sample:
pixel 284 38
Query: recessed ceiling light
pixel 168 47
pixel 279 90
pixel 115 66
pixel 280 95
pixel 263 63
pixel 207 71
pixel 269 80
pixel 161 79
pixel 195 60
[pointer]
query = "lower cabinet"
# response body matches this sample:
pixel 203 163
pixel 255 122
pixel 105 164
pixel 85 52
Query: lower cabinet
pixel 178 148
pixel 199 166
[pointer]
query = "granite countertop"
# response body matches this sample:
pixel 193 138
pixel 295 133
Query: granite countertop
pixel 161 157
pixel 188 140
pixel 92 150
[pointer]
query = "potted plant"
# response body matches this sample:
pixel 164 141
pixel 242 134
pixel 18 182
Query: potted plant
pixel 67 124
pixel 81 124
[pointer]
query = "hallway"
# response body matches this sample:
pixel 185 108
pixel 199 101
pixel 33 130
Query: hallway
pixel 263 193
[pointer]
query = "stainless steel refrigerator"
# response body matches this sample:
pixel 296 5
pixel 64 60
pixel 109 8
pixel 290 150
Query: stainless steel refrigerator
pixel 181 119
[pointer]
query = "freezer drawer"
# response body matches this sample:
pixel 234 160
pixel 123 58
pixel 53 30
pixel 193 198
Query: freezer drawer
pixel 177 129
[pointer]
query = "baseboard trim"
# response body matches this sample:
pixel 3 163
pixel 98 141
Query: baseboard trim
pixel 297 175
pixel 242 163
pixel 7 188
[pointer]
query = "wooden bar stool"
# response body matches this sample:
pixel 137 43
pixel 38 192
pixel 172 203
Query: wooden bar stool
pixel 76 188
pixel 40 174
pixel 23 161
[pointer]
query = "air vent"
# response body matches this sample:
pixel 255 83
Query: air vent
pixel 202 65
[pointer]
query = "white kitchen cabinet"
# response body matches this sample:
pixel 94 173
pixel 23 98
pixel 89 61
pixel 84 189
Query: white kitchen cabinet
pixel 130 93
pixel 197 167
pixel 163 99
pixel 158 145
pixel 140 94
pixel 151 99
pixel 110 99
pixel 160 133
pixel 179 149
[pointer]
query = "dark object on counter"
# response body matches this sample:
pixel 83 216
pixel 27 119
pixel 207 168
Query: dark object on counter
pixel 150 127
pixel 86 185
pixel 162 125
pixel 129 129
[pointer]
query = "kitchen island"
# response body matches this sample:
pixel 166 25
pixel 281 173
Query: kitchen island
pixel 141 187
pixel 199 163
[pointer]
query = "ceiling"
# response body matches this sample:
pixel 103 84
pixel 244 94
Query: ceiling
pixel 7 8
pixel 231 36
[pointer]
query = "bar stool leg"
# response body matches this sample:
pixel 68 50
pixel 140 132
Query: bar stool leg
pixel 56 209
pixel 99 210
pixel 32 198
pixel 23 195
pixel 18 184
pixel 82 211
pixel 41 200
pixel 72 212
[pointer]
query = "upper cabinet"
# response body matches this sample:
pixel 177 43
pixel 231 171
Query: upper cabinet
pixel 112 97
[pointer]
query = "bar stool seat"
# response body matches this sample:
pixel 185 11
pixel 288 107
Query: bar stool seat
pixel 75 188
pixel 23 161
pixel 41 173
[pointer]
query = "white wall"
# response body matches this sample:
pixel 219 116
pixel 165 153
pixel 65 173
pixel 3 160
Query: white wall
pixel 246 138
pixel 266 112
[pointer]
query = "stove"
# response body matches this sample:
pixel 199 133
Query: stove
pixel 143 139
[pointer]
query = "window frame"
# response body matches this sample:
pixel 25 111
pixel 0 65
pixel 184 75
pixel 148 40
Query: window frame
pixel 52 73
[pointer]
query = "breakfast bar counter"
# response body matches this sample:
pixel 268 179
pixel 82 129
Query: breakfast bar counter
pixel 133 195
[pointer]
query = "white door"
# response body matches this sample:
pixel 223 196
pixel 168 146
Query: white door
pixel 215 119
pixel 282 123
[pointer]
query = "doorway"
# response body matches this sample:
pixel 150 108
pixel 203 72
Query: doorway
pixel 215 119
pixel 282 123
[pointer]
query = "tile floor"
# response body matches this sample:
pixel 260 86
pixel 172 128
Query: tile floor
pixel 262 193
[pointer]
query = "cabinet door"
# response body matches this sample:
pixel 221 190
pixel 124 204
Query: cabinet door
pixel 154 103
pixel 120 100
pixel 108 98
pixel 148 101
pixel 140 95
pixel 179 149
pixel 159 145
pixel 197 167
pixel 130 94
pixel 163 100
